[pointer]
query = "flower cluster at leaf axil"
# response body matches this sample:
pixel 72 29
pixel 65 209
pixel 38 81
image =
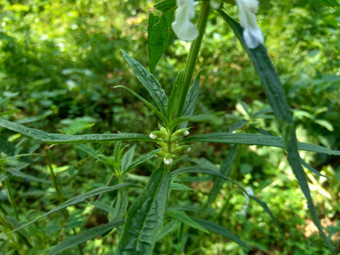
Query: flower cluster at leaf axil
pixel 169 143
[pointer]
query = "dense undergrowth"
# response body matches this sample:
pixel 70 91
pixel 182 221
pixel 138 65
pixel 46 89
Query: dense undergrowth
pixel 59 63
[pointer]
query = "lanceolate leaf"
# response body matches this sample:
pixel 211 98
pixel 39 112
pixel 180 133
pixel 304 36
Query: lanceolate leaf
pixel 211 226
pixel 278 102
pixel 191 100
pixel 60 138
pixel 183 217
pixel 254 139
pixel 203 170
pixel 76 200
pixel 225 169
pixel 145 217
pixel 149 82
pixel 85 236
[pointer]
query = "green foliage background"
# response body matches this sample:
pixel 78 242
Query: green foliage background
pixel 59 60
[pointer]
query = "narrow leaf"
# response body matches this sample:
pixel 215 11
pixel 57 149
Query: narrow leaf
pixel 127 158
pixel 28 177
pixel 211 226
pixel 60 138
pixel 183 217
pixel 146 102
pixel 312 169
pixel 142 159
pixel 254 139
pixel 149 81
pixel 145 217
pixel 191 100
pixel 202 170
pixel 85 236
pixel 76 200
pixel 225 169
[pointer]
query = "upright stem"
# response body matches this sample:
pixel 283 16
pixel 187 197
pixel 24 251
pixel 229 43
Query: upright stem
pixel 193 56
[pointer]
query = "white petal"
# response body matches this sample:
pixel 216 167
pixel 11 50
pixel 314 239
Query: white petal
pixel 168 161
pixel 253 37
pixel 186 133
pixel 152 136
pixel 185 31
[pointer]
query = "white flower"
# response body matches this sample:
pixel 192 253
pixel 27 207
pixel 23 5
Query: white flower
pixel 249 192
pixel 186 133
pixel 252 33
pixel 182 25
pixel 168 161
pixel 152 136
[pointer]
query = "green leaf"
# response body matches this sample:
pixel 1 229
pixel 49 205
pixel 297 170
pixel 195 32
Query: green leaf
pixel 20 174
pixel 145 217
pixel 6 147
pixel 312 169
pixel 173 99
pixel 35 118
pixel 266 72
pixel 183 217
pixel 330 3
pixel 278 102
pixel 95 154
pixel 60 138
pixel 121 205
pixel 194 118
pixel 202 170
pixel 146 102
pixel 76 200
pixel 254 139
pixel 159 32
pixel 127 158
pixel 191 100
pixel 142 159
pixel 225 169
pixel 85 236
pixel 166 5
pixel 149 81
pixel 211 226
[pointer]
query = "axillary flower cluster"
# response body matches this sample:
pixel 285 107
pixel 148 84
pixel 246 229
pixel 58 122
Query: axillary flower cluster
pixel 185 30
pixel 169 143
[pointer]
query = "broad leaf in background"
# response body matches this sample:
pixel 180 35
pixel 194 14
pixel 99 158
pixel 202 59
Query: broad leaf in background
pixel 149 82
pixel 278 102
pixel 145 217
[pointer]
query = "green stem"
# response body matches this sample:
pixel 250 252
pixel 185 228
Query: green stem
pixel 193 56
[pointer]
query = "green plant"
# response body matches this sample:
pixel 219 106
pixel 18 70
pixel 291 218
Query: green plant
pixel 152 215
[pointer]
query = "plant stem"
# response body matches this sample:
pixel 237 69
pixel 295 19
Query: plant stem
pixel 193 56
pixel 11 198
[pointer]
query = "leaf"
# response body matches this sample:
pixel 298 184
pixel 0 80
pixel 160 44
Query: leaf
pixel 173 99
pixel 191 100
pixel 142 159
pixel 166 5
pixel 312 169
pixel 145 217
pixel 194 118
pixel 35 118
pixel 54 138
pixel 6 147
pixel 254 139
pixel 149 82
pixel 266 72
pixel 85 236
pixel 121 205
pixel 202 170
pixel 127 158
pixel 159 33
pixel 146 102
pixel 76 200
pixel 95 154
pixel 20 174
pixel 278 102
pixel 211 226
pixel 330 3
pixel 225 169
pixel 183 217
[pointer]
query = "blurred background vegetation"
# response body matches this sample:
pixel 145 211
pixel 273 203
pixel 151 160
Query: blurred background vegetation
pixel 59 61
